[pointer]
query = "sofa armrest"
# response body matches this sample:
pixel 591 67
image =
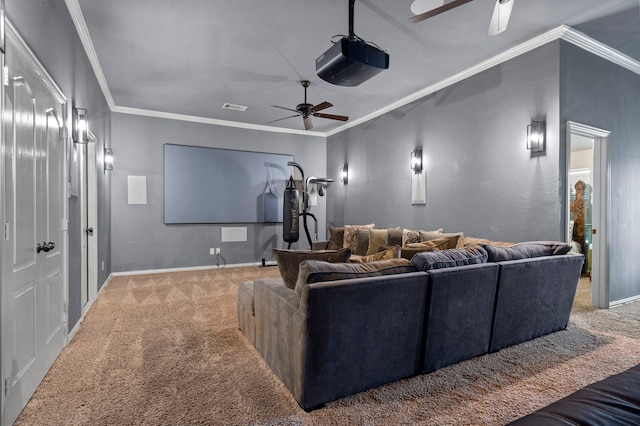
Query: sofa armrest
pixel 281 332
pixel 320 245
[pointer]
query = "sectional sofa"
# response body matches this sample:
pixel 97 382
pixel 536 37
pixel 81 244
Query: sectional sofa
pixel 339 328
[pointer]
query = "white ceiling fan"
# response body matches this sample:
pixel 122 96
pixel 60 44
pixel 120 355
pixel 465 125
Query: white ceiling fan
pixel 424 9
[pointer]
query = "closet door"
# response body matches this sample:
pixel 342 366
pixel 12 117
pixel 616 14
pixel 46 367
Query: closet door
pixel 33 290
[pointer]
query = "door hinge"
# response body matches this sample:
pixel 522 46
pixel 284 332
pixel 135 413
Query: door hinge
pixel 6 386
pixel 66 307
pixel 6 231
pixel 64 225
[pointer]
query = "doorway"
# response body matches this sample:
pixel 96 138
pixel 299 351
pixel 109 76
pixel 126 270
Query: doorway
pixel 587 204
pixel 89 238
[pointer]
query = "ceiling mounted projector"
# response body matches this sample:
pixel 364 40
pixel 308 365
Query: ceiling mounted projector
pixel 351 61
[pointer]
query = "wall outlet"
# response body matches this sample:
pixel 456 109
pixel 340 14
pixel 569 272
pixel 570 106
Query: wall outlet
pixel 217 250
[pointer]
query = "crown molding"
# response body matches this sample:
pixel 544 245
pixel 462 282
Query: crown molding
pixel 562 32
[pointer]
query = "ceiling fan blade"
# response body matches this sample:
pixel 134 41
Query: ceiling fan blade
pixel 422 6
pixel 500 17
pixel 320 106
pixel 308 124
pixel 438 10
pixel 331 116
pixel 280 119
pixel 288 109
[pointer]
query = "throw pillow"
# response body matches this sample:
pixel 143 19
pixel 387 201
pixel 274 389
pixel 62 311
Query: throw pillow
pixel 428 260
pixel 362 242
pixel 289 261
pixel 377 239
pixel 394 237
pixel 410 236
pixel 409 252
pixel 314 271
pixel 431 235
pixel 336 238
pixel 526 250
pixel 447 242
pixel 390 253
pixel 351 235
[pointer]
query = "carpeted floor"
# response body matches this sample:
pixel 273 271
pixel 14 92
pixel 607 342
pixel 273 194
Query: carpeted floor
pixel 165 349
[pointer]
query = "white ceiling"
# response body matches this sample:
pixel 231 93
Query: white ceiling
pixel 187 58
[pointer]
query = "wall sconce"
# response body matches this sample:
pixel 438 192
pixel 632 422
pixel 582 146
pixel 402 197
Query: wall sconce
pixel 536 136
pixel 416 160
pixel 108 159
pixel 344 174
pixel 79 132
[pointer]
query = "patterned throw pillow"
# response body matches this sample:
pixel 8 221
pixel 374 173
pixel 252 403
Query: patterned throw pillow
pixel 289 261
pixel 351 235
pixel 313 271
pixel 390 253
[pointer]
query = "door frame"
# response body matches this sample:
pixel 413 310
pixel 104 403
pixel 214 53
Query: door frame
pixel 90 219
pixel 601 214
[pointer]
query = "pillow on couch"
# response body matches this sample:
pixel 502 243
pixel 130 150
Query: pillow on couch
pixel 362 245
pixel 336 238
pixel 394 237
pixel 390 253
pixel 428 260
pixel 289 261
pixel 314 271
pixel 526 250
pixel 351 235
pixel 435 235
pixel 377 239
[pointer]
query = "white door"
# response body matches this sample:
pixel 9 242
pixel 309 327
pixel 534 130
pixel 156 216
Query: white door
pixel 600 213
pixel 88 202
pixel 33 284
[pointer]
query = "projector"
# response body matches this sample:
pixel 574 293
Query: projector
pixel 350 62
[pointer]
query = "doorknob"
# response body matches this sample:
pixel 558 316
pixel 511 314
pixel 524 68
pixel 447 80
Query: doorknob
pixel 89 231
pixel 594 231
pixel 45 246
pixel 39 248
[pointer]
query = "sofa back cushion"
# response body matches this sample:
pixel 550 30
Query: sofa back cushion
pixel 428 260
pixel 526 250
pixel 336 238
pixel 315 271
pixel 289 261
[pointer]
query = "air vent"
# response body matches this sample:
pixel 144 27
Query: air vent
pixel 234 107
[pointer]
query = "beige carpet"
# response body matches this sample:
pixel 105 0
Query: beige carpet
pixel 165 349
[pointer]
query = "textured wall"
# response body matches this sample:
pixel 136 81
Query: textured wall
pixel 47 28
pixel 141 240
pixel 612 104
pixel 481 179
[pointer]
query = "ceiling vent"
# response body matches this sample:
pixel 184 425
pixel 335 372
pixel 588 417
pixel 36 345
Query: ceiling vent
pixel 234 107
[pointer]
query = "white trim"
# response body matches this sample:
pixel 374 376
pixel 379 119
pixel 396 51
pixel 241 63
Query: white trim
pixel 187 269
pixel 621 302
pixel 214 121
pixel 85 38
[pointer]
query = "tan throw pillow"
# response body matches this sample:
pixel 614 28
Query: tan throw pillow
pixel 442 243
pixel 390 253
pixel 430 235
pixel 336 237
pixel 351 235
pixel 313 271
pixel 377 239
pixel 409 252
pixel 472 241
pixel 363 242
pixel 289 261
pixel 459 240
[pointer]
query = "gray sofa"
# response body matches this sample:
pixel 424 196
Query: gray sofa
pixel 335 338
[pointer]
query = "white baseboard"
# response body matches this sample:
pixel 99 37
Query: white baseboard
pixel 624 301
pixel 189 268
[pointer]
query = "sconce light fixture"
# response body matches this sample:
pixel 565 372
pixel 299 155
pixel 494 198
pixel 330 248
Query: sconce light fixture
pixel 344 174
pixel 416 160
pixel 79 133
pixel 108 159
pixel 536 136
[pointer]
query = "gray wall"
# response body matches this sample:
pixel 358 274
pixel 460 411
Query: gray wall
pixel 47 28
pixel 141 240
pixel 601 94
pixel 481 179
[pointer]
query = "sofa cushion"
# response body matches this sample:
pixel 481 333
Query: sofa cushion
pixel 410 236
pixel 394 237
pixel 377 239
pixel 351 235
pixel 336 238
pixel 315 271
pixel 428 260
pixel 526 250
pixel 449 241
pixel 390 253
pixel 431 235
pixel 289 261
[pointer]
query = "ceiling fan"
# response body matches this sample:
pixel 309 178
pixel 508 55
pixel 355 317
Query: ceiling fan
pixel 424 9
pixel 306 110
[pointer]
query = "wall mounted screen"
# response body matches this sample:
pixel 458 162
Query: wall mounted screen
pixel 211 185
